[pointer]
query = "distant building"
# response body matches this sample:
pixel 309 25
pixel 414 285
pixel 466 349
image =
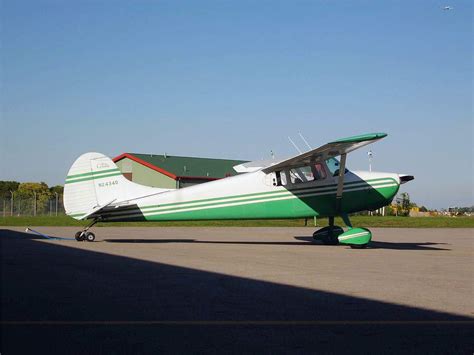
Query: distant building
pixel 168 171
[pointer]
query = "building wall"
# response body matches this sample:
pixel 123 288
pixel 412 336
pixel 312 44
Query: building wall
pixel 144 175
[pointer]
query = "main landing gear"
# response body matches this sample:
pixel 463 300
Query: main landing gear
pixel 85 234
pixel 356 238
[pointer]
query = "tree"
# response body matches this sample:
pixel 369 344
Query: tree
pixel 389 210
pixel 423 209
pixel 7 186
pixel 405 203
pixel 28 190
pixel 57 189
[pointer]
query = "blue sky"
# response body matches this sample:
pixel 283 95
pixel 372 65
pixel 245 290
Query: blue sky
pixel 232 79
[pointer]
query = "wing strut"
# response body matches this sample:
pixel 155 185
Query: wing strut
pixel 340 182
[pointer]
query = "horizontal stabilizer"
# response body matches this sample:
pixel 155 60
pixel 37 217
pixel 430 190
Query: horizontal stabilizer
pixel 96 209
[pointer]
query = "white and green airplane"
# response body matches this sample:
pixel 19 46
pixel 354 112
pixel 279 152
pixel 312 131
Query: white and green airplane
pixel 311 184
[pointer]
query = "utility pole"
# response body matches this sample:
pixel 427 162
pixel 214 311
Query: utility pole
pixel 370 160
pixel 34 211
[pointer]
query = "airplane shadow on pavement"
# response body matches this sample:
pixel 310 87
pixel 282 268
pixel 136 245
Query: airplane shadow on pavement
pixel 58 299
pixel 300 240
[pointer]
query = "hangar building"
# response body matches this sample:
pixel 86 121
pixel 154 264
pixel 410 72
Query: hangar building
pixel 168 171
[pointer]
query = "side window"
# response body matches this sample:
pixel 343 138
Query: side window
pixel 319 172
pixel 302 174
pixel 333 166
pixel 280 178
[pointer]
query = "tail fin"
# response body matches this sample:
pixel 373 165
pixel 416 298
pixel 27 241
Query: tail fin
pixel 94 181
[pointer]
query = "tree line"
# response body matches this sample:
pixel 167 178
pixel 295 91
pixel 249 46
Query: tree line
pixel 29 189
pixel 30 198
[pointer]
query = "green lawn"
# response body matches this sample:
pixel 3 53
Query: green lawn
pixel 359 221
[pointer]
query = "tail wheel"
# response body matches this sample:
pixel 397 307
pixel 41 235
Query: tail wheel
pixel 79 237
pixel 90 237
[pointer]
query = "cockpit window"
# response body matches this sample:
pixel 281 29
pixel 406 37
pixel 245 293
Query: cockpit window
pixel 333 166
pixel 319 172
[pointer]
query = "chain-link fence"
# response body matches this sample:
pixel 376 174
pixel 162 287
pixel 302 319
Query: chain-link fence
pixel 31 206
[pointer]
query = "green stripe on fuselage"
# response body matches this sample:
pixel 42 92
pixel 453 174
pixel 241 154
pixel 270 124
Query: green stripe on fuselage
pixel 294 207
pixel 267 193
pixel 224 201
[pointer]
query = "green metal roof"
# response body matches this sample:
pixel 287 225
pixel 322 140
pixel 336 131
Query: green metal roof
pixel 191 166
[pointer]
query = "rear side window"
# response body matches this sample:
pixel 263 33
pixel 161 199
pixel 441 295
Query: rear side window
pixel 280 178
pixel 300 175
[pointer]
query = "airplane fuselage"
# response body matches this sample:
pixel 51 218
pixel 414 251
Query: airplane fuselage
pixel 255 196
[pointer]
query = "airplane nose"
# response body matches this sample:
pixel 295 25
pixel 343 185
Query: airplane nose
pixel 405 178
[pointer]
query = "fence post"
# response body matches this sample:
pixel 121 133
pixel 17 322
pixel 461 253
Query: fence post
pixel 56 203
pixel 11 204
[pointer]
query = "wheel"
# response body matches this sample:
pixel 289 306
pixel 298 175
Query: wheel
pixel 330 240
pixel 79 237
pixel 328 235
pixel 359 246
pixel 90 237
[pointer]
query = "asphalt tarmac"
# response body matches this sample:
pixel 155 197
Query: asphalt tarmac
pixel 236 290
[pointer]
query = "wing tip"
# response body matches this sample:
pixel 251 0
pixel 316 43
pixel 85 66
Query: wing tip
pixel 361 138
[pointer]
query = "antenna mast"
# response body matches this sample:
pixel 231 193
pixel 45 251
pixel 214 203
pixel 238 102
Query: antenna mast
pixel 305 141
pixel 294 145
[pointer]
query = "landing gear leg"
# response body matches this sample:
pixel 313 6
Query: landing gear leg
pixel 85 234
pixel 347 221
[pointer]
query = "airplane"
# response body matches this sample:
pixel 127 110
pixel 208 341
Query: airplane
pixel 313 183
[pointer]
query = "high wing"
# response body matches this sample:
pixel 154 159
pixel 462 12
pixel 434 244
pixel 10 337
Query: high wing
pixel 329 150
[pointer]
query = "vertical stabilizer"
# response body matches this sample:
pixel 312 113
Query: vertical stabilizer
pixel 94 181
